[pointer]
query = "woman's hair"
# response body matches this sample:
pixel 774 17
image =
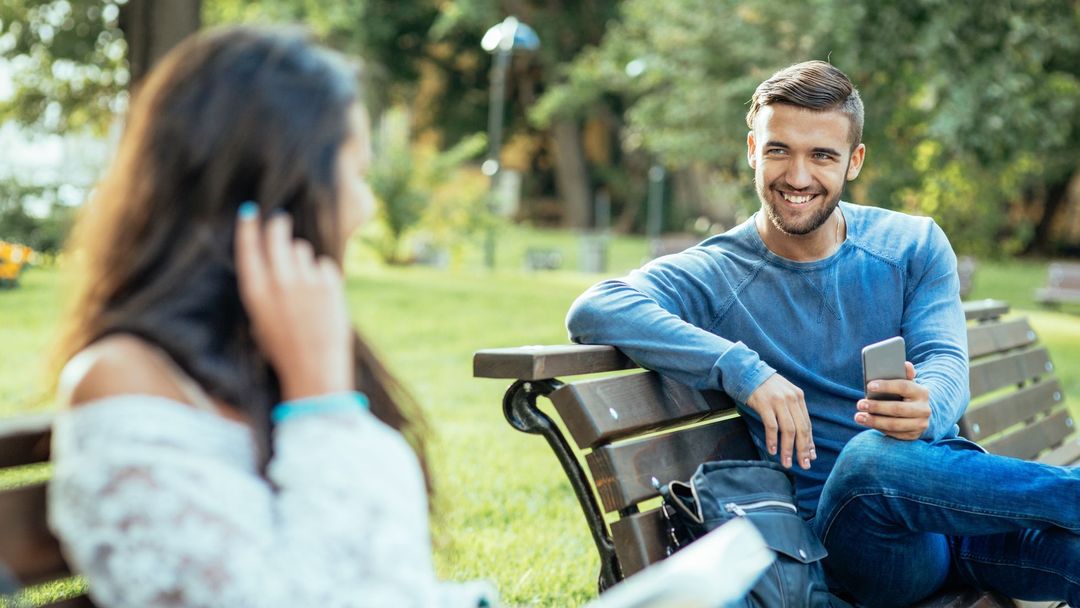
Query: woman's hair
pixel 228 116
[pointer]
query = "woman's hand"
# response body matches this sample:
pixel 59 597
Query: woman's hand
pixel 296 304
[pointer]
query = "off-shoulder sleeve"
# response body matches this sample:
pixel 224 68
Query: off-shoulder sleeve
pixel 159 504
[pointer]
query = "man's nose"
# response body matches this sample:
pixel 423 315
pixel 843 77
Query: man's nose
pixel 798 175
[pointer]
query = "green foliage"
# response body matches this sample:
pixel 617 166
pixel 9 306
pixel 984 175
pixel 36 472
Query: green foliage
pixel 391 37
pixel 68 63
pixel 972 109
pixel 981 112
pixel 700 61
pixel 405 178
pixel 44 234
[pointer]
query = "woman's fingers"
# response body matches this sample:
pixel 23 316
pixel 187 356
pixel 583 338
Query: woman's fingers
pixel 295 301
pixel 279 247
pixel 304 258
pixel 329 270
pixel 267 256
pixel 251 270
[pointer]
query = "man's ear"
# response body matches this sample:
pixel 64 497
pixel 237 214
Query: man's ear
pixel 855 164
pixel 751 150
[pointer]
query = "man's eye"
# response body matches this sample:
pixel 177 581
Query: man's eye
pixel 775 151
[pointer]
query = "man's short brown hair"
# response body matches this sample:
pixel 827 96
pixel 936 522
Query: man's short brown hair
pixel 814 85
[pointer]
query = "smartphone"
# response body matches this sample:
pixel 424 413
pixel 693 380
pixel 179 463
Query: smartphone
pixel 884 361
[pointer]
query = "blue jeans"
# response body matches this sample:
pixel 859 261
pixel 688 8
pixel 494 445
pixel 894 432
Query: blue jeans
pixel 901 519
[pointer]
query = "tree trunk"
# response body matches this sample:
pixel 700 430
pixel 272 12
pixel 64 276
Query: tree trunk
pixel 571 174
pixel 152 27
pixel 1056 196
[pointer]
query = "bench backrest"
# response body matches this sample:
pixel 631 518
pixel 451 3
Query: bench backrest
pixel 1063 275
pixel 27 548
pixel 1017 405
pixel 636 430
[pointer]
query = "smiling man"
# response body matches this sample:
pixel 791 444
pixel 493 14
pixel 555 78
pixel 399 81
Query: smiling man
pixel 775 313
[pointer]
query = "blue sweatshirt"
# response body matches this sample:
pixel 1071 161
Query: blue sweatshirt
pixel 729 313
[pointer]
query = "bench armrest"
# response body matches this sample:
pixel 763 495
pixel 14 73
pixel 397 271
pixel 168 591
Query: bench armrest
pixel 550 361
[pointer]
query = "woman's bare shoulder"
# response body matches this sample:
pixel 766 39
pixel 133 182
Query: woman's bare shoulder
pixel 120 364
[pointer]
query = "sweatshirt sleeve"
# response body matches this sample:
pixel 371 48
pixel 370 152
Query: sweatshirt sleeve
pixel 660 316
pixel 936 334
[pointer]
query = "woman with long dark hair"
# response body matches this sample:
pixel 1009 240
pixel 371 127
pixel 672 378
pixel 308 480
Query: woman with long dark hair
pixel 229 439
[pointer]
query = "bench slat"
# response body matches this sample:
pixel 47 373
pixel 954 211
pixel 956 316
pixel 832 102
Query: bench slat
pixel 1063 275
pixel 999 414
pixel 987 376
pixel 1051 295
pixel 999 337
pixel 599 411
pixel 981 310
pixel 26 545
pixel 640 539
pixel 1032 439
pixel 545 362
pixel 623 472
pixel 25 439
pixel 966 598
pixel 1067 454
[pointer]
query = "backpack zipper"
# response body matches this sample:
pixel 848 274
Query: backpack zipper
pixel 740 510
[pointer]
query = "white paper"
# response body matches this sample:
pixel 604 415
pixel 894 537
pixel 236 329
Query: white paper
pixel 712 572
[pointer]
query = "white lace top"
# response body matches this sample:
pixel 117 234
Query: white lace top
pixel 160 504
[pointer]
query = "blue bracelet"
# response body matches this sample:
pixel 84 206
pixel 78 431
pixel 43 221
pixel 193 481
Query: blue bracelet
pixel 332 403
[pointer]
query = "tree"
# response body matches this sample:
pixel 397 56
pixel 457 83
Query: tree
pixel 73 60
pixel 44 234
pixel 405 177
pixel 67 61
pixel 151 29
pixel 973 111
pixel 565 30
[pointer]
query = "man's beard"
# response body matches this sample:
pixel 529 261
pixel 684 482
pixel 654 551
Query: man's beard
pixel 813 223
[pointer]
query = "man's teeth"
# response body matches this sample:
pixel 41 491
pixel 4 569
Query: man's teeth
pixel 798 200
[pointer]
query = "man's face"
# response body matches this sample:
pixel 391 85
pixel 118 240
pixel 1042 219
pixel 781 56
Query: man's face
pixel 801 159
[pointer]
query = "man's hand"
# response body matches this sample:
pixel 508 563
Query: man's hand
pixel 781 407
pixel 907 419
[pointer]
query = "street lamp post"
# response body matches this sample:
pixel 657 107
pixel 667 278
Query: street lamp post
pixel 500 40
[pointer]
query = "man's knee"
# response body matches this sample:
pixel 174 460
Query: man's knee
pixel 872 458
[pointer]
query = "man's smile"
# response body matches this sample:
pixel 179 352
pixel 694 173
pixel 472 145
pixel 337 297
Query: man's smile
pixel 798 199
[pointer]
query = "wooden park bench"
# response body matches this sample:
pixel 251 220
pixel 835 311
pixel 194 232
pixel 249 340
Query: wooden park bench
pixel 1062 284
pixel 632 429
pixel 27 548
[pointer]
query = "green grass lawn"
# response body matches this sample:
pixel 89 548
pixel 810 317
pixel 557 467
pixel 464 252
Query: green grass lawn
pixel 505 511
